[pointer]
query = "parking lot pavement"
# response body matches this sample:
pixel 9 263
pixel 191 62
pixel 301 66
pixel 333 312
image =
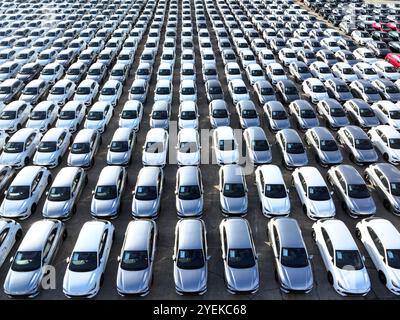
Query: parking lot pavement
pixel 163 284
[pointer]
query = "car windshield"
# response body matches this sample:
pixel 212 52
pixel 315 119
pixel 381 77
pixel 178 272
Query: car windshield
pixel 294 148
pixel 370 90
pixel 307 114
pixel 392 89
pixel 189 192
pixel 358 191
pixel 137 90
pixel 143 71
pixel 369 71
pixel 294 257
pixel 188 115
pixel 393 258
pixel 395 188
pixel 215 90
pixel 146 193
pixel 14 147
pixel 259 145
pixel 241 258
pixel 234 71
pixel 94 72
pixel 342 88
pixel 129 114
pixel 8 115
pixel 234 190
pixel 394 143
pixel 163 90
pixel 135 260
pixel 59 193
pixel 154 147
pixel 257 73
pixel 290 90
pixel 80 148
pixel 188 147
pixel 67 115
pixel 363 144
pixel 187 72
pixel 38 115
pixel 5 90
pixel 226 145
pixel 279 115
pixel 187 90
pixel 83 261
pixel 18 193
pixel 394 115
pixel 275 191
pixel 390 69
pixel 249 114
pixel 319 193
pixel 83 90
pixel 290 55
pixel 348 260
pixel 47 146
pixel 95 115
pixel 73 72
pixel 57 90
pixel 220 113
pixel 328 145
pixel 105 192
pixel 318 89
pixel 278 72
pixel 324 70
pixel 240 90
pixel 119 146
pixel 26 71
pixel 108 91
pixel 26 261
pixel 4 70
pixel 164 72
pixel 190 259
pixel 348 71
pixel 337 112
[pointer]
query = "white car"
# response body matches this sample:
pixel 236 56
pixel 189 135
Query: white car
pixel 111 92
pixel 287 56
pixel 52 73
pixel 14 115
pixel 4 136
pixel 361 37
pixel 99 116
pixel 344 71
pixel 385 70
pixel 315 90
pixel 61 92
pixel 382 241
pixel 238 91
pixel 232 71
pixel 165 71
pixel 20 148
pixel 155 148
pixel 344 264
pixel 131 115
pixel 365 71
pixel 10 233
pixel 24 193
pixel 87 263
pixel 188 147
pixel 34 91
pixel 266 57
pixel 254 73
pixel 47 56
pixel 52 147
pixel 388 113
pixel 275 73
pixel 188 115
pixel 163 91
pixel 313 192
pixel 365 55
pixel 188 91
pixel 387 140
pixel 84 148
pixel 121 147
pixel 225 146
pixel 86 92
pixel 247 57
pixel 188 71
pixel 321 71
pixel 272 191
pixel 71 116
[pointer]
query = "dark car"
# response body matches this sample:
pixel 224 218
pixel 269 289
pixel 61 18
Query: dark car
pixel 287 90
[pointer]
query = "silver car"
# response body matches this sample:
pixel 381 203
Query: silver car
pixel 107 195
pixel 139 90
pixel 190 257
pixel 352 191
pixel 292 149
pixel 189 192
pixel 35 253
pixel 303 114
pixel 293 267
pixel 121 147
pixel 84 148
pixel 63 195
pixel 277 116
pixel 147 194
pixel 248 115
pixel 239 256
pixel 218 113
pixel 232 190
pixel 324 146
pixel 135 268
pixel 258 147
pixel 160 115
pixel 333 114
pixel 131 115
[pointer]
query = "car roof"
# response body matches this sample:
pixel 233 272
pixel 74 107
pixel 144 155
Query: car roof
pixel 121 134
pixel 386 232
pixel 237 234
pixel 233 173
pixel 224 132
pixel 218 104
pixel 272 174
pixel 188 134
pixel 190 234
pixel 99 106
pixel 389 131
pixel 148 176
pixel 188 175
pixel 35 83
pixel 256 133
pixel 26 175
pixel 350 174
pixel 323 133
pixel 109 175
pixel 339 234
pixel 65 177
pixel 163 83
pixel 84 135
pixel 289 233
pixel 90 236
pixel 36 236
pixel 53 134
pixel 9 82
pixel 390 171
pixel 22 134
pixel 290 135
pixel 356 132
pixel 312 176
pixel 137 234
pixel 111 84
pixel 71 105
pixel 87 82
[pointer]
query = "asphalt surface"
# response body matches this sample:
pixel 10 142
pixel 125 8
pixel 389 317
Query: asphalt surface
pixel 163 285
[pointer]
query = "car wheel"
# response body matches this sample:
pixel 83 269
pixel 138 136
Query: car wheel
pixel 113 236
pixel 330 278
pixel 386 205
pixel 76 127
pixel 18 235
pixel 385 157
pixel 33 208
pixel 19 126
pixel 48 127
pixel 65 234
pixel 382 277
pixel 105 128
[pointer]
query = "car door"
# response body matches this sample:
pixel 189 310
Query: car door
pixel 375 249
pixel 302 189
pixel 50 247
pixel 327 250
pixel 5 243
pixel 103 251
pixel 276 245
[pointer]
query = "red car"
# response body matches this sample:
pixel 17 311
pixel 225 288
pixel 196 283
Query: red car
pixel 381 27
pixel 394 59
pixel 393 25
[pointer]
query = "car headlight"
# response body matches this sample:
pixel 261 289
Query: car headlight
pixel 341 286
pixel 396 285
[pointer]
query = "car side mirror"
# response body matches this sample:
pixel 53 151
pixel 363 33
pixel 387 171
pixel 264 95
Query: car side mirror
pixel 133 192
pixel 92 191
pixel 174 257
pixel 67 260
pixel 331 193
pixel 119 259
pixel 176 192
pixel 223 256
pixel 5 192
pixel 310 257
pixel 208 258
pixel 108 146
pixel 69 148
pixel 11 259
pixel 364 259
pixel 47 193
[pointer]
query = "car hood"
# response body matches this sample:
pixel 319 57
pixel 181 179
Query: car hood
pixel 10 158
pixel 103 207
pixel 367 155
pixel 219 122
pixel 55 209
pixel 332 156
pixel 355 281
pixel 44 157
pixel 188 159
pixel 277 206
pixel 65 123
pixel 234 205
pixel 280 124
pixel 82 97
pixel 117 157
pixel 228 156
pixel 6 124
pixel 310 123
pixel 36 124
pixel 144 208
pixel 261 156
pixel 94 124
pixel 344 96
pixel 340 121
pixel 364 206
pixel 323 209
pixel 297 159
pixel 242 279
pixel 56 98
pixel 190 280
pixel 394 97
pixel 163 123
pixel 78 159
pixel 14 208
pixel 297 278
pixel 129 123
pixel 246 123
pixel 133 281
pixel 188 123
pixel 79 283
pixel 189 207
pixel 21 283
pixel 155 159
